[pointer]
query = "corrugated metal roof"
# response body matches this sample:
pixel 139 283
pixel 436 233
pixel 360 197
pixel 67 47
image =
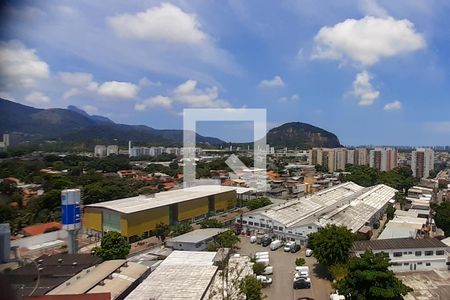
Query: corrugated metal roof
pixel 403 243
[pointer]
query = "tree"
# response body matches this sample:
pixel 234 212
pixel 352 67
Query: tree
pixel 226 239
pixel 442 217
pixel 211 223
pixel 400 199
pixel 180 229
pixel 338 271
pixel 113 246
pixel 257 203
pixel 368 277
pixel 300 261
pixel 320 168
pixel 258 268
pixel 251 287
pixel 331 244
pixel 162 231
pixel 390 211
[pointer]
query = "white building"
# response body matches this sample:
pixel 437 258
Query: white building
pixel 347 204
pixel 196 240
pixel 408 254
pixel 112 150
pixel 100 151
pixel 383 159
pixel 422 162
pixel 362 157
pixel 4 144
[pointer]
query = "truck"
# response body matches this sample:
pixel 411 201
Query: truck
pixel 275 245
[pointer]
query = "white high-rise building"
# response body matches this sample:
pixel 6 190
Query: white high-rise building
pixel 422 162
pixel 112 149
pixel 5 143
pixel 362 157
pixel 100 150
pixel 383 159
pixel 351 156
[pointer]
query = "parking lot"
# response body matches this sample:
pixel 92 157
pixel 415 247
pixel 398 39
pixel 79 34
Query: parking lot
pixel 283 271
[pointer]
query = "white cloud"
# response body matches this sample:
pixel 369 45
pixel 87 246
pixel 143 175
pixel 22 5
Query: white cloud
pixel 188 93
pixel 367 40
pixel 295 97
pixel 274 82
pixel 363 89
pixel 70 93
pixel 118 89
pixel 20 66
pixel 37 98
pixel 372 8
pixel 157 101
pixel 90 109
pixel 396 105
pixel 147 82
pixel 7 96
pixel 166 22
pixel 76 79
pixel 283 99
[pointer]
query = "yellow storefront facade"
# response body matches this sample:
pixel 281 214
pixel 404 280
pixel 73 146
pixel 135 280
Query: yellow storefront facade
pixel 135 223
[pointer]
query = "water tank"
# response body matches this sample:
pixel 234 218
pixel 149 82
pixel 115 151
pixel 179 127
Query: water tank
pixel 70 206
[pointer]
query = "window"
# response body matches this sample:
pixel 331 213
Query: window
pixel 256 224
pixel 250 217
pixel 309 227
pixel 397 254
pixel 250 223
pixel 275 228
pixel 420 263
pixel 244 222
pixel 263 225
pixel 238 220
pixel 440 252
pixel 262 220
pixel 428 264
pixel 396 264
pixel 406 264
pixel 405 252
pixel 289 231
pixel 418 253
pixel 428 253
pixel 409 252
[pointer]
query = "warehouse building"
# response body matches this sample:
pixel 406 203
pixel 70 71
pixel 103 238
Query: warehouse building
pixel 196 240
pixel 137 217
pixel 347 204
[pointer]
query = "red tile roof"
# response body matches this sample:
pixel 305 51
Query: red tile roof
pixel 40 228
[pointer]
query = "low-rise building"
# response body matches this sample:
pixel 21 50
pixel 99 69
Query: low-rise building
pixel 196 240
pixel 408 254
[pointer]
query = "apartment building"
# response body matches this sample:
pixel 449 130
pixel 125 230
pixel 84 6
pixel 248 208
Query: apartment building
pixel 383 159
pixel 5 142
pixel 361 156
pixel 422 162
pixel 407 254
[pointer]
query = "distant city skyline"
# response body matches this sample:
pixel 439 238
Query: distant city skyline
pixel 371 72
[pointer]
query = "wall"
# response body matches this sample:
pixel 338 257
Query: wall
pixel 140 222
pixel 190 210
pixel 92 219
pixel 40 239
pixel 225 201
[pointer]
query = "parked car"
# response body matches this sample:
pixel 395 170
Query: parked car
pixel 275 245
pixel 301 284
pixel 304 276
pixel 308 252
pixel 268 270
pixel 253 239
pixel 295 248
pixel 265 241
pixel 264 279
pixel 264 261
pixel 288 246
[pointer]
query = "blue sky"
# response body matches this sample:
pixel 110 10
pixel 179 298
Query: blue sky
pixel 372 72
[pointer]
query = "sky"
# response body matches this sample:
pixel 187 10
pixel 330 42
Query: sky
pixel 372 72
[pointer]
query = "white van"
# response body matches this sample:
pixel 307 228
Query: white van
pixel 262 253
pixel 275 245
pixel 253 239
pixel 264 261
pixel 261 256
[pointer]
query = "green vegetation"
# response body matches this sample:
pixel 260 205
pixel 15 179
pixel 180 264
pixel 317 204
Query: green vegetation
pixel 227 239
pixel 321 169
pixel 390 211
pixel 338 271
pixel 180 229
pixel 300 261
pixel 162 231
pixel 113 246
pixel 442 217
pixel 368 277
pixel 211 223
pixel 399 178
pixel 258 268
pixel 331 244
pixel 251 288
pixel 257 203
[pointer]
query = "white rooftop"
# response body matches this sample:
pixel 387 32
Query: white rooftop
pixel 197 235
pixel 144 202
pixel 182 275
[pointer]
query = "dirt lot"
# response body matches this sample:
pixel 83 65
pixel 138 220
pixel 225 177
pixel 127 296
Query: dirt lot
pixel 284 265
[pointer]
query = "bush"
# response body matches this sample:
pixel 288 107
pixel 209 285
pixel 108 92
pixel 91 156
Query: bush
pixel 257 203
pixel 258 268
pixel 300 261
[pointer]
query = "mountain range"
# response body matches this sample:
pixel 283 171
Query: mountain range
pixel 74 125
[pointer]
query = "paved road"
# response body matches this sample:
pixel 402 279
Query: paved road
pixel 284 265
